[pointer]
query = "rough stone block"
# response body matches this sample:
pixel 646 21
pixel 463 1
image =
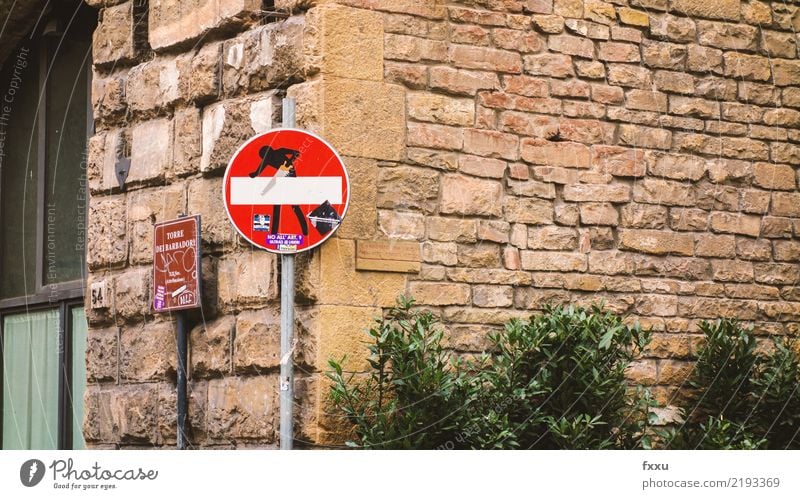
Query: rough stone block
pixel 179 22
pixel 528 210
pixel 151 151
pixel 200 74
pixel 243 408
pixel 748 67
pixel 462 81
pixel 153 85
pixel 114 40
pixel 436 108
pixel 470 196
pixel 187 143
pixel 107 237
pixel 149 206
pixel 772 176
pixel 247 278
pixel 657 242
pixel 438 293
pixel 102 355
pixel 101 161
pixel 204 198
pixel 197 393
pixel 406 187
pixel 134 412
pixel 719 9
pixel 257 345
pixel 736 223
pixel 401 224
pixel 148 352
pixel 553 261
pixel 210 345
pixel 108 96
pixel 451 229
pixel 228 124
pixel 262 59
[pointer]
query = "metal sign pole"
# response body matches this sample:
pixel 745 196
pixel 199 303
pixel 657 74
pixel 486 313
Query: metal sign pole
pixel 177 288
pixel 287 323
pixel 182 400
pixel 299 169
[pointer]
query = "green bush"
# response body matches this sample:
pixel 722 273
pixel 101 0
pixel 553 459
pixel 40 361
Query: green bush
pixel 740 398
pixel 557 380
pixel 414 393
pixel 714 433
pixel 554 381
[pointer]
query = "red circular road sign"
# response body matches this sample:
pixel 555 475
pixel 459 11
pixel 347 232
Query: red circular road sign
pixel 286 190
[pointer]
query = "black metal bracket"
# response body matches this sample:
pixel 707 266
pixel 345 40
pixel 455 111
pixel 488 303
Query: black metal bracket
pixel 123 164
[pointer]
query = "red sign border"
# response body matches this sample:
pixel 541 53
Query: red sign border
pixel 199 304
pixel 225 196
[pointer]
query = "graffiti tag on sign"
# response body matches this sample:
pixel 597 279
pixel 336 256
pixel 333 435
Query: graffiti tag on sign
pixel 176 264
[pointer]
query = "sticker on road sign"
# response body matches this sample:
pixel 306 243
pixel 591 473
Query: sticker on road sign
pixel 286 191
pixel 260 223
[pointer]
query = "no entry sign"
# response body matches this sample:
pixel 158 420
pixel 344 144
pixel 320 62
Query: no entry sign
pixel 176 264
pixel 286 191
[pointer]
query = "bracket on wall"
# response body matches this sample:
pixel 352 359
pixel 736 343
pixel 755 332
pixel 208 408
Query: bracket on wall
pixel 123 164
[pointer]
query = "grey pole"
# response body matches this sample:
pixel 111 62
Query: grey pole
pixel 182 398
pixel 287 323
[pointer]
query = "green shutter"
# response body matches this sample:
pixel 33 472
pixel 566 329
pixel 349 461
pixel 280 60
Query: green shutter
pixel 30 380
pixel 78 387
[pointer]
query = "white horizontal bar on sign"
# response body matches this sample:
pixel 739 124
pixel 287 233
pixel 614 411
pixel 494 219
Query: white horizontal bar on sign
pixel 286 190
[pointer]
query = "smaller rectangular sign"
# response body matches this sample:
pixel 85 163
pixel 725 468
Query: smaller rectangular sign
pixel 285 190
pixel 176 264
pixel 388 256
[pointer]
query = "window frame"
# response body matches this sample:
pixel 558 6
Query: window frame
pixel 65 379
pixel 61 296
pixel 50 293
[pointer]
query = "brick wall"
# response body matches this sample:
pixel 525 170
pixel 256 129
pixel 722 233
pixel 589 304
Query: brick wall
pixel 640 152
pixel 503 154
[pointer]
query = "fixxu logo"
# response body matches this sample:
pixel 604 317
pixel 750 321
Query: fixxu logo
pixel 31 472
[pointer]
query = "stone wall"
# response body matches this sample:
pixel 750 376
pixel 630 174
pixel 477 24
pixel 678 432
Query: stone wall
pixel 504 154
pixel 177 88
pixel 640 152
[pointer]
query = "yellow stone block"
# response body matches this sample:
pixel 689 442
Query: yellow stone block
pixel 341 284
pixel 335 34
pixel 361 221
pixel 330 426
pixel 342 333
pixel 600 12
pixel 633 17
pixel 718 9
pixel 358 117
pixel 388 256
